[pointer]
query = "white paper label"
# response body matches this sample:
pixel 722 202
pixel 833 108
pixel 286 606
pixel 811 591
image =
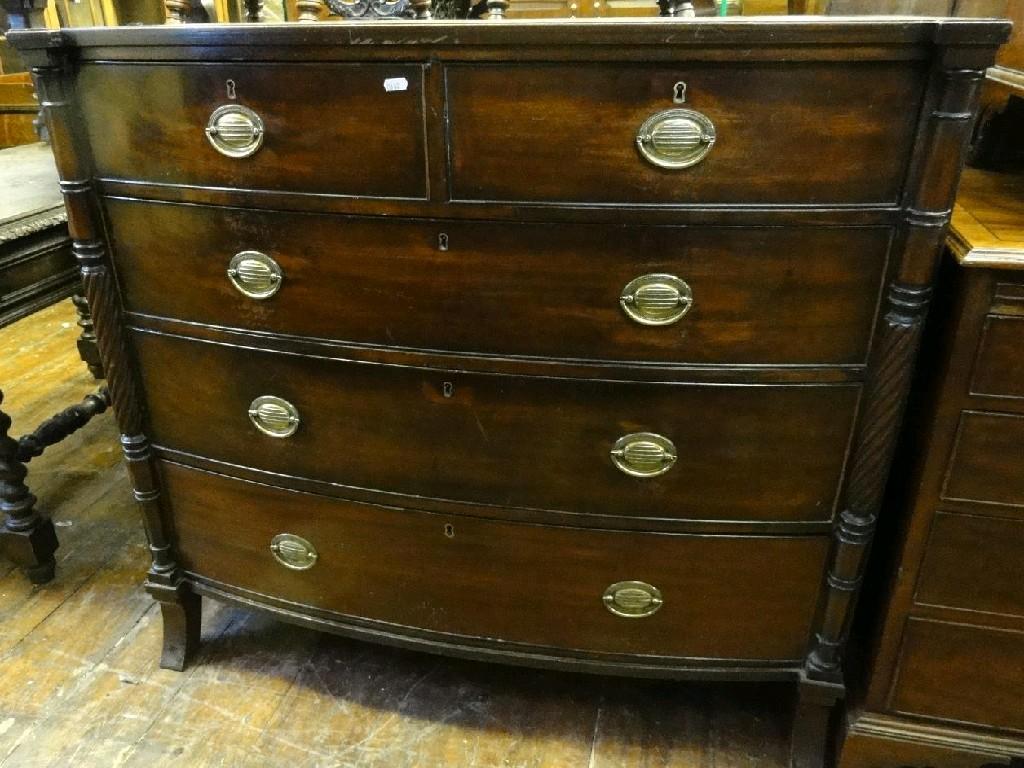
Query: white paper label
pixel 396 84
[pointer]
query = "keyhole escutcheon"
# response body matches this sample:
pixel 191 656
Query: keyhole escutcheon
pixel 679 93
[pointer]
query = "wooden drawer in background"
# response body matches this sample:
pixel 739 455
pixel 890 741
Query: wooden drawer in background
pixel 999 371
pixel 724 597
pixel 962 673
pixel 745 452
pixel 974 563
pixel 785 295
pixel 328 128
pixel 561 133
pixel 985 466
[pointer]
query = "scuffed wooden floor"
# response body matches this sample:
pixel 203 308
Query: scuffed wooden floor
pixel 79 685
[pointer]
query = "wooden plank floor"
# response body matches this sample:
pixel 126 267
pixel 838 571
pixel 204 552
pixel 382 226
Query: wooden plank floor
pixel 79 684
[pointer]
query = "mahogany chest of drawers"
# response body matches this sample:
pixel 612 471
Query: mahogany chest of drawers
pixel 569 344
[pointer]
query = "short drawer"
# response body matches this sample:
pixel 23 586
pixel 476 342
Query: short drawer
pixel 961 673
pixel 987 459
pixel 999 371
pixel 326 128
pixel 794 133
pixel 785 295
pixel 974 563
pixel 741 452
pixel 717 597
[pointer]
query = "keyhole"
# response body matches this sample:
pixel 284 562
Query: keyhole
pixel 449 530
pixel 442 242
pixel 231 89
pixel 447 389
pixel 679 93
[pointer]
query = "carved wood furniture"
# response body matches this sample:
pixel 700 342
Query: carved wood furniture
pixel 528 342
pixel 948 670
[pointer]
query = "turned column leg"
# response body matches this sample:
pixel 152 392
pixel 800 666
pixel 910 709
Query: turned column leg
pixel 815 707
pixel 87 347
pixel 29 539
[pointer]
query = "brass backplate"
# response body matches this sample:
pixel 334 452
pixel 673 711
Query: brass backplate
pixel 656 299
pixel 293 551
pixel 254 274
pixel 644 454
pixel 632 599
pixel 274 416
pixel 235 131
pixel 676 138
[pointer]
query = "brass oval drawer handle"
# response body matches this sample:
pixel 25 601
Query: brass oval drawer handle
pixel 656 299
pixel 274 416
pixel 644 454
pixel 255 274
pixel 293 552
pixel 632 599
pixel 676 138
pixel 235 131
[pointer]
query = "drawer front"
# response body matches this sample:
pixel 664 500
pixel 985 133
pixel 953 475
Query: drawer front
pixel 961 673
pixel 784 133
pixel 974 563
pixel 771 295
pixel 987 460
pixel 722 597
pixel 330 129
pixel 743 452
pixel 1000 368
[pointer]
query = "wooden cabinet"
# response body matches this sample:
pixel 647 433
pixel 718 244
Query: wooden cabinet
pixel 947 669
pixel 580 345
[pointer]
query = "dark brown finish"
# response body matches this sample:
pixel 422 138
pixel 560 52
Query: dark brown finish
pixel 330 129
pixel 761 295
pixel 513 441
pixel 773 163
pixel 985 466
pixel 1000 372
pixel 62 424
pixel 962 673
pixel 28 538
pixel 548 114
pixel 542 586
pixel 945 671
pixel 987 551
pixel 88 350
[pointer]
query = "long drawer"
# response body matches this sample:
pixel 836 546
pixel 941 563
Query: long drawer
pixel 339 129
pixel 682 451
pixel 702 597
pixel 785 295
pixel 583 134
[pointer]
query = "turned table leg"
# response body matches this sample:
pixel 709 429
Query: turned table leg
pixel 87 348
pixel 28 539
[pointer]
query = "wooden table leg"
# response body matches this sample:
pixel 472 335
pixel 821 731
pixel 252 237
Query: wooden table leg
pixel 87 348
pixel 28 539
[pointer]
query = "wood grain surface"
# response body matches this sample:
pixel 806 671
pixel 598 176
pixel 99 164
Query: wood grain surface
pixel 81 683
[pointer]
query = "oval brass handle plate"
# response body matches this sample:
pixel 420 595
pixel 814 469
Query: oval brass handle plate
pixel 293 551
pixel 676 138
pixel 255 274
pixel 656 299
pixel 274 416
pixel 632 599
pixel 235 131
pixel 643 454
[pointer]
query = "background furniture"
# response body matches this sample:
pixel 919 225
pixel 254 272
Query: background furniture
pixel 947 673
pixel 942 682
pixel 37 268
